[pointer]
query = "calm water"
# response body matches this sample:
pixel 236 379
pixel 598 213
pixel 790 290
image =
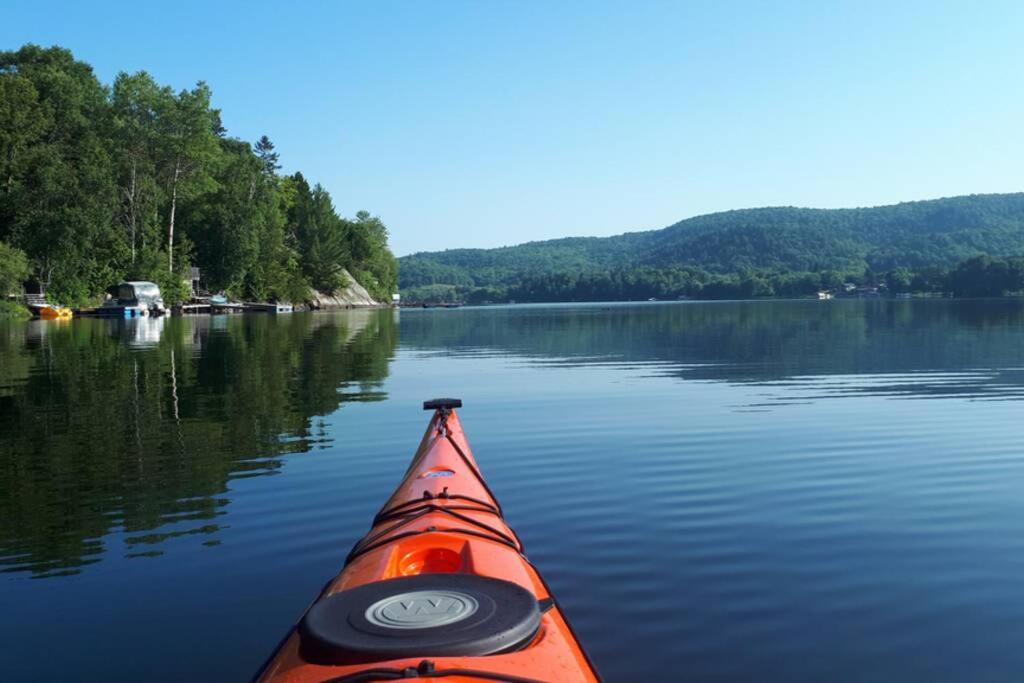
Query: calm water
pixel 770 491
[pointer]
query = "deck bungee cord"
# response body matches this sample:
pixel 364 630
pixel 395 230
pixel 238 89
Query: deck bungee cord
pixel 426 669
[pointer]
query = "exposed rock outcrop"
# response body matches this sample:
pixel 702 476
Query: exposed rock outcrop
pixel 353 295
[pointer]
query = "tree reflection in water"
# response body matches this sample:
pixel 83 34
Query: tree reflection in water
pixel 137 426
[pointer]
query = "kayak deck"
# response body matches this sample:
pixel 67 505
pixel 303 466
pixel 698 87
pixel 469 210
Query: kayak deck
pixel 438 588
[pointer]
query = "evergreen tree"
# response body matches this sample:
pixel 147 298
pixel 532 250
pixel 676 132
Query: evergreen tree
pixel 264 149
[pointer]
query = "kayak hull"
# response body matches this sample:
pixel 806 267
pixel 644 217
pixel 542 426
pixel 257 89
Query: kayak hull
pixel 441 527
pixel 50 312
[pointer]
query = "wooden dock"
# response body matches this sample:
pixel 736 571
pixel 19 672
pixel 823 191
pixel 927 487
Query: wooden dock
pixel 268 308
pixel 113 312
pixel 211 308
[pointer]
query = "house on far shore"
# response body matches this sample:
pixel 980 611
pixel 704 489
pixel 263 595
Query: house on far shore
pixel 396 299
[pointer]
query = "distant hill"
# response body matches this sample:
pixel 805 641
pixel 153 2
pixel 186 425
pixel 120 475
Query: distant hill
pixel 914 235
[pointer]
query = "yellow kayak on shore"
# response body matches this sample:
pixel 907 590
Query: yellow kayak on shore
pixel 50 312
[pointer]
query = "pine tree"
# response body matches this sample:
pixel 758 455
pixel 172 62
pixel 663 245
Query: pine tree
pixel 264 149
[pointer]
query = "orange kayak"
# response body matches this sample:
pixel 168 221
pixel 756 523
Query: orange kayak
pixel 438 588
pixel 50 312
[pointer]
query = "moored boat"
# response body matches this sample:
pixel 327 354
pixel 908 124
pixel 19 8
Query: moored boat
pixel 438 588
pixel 132 300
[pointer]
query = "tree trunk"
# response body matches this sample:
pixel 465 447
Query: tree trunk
pixel 132 201
pixel 10 170
pixel 48 269
pixel 170 228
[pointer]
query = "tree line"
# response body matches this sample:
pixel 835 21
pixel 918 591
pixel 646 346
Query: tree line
pixel 780 251
pixel 981 276
pixel 137 181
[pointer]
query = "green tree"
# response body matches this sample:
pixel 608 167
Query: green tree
pixel 264 149
pixel 320 235
pixel 145 139
pixel 372 262
pixel 13 270
pixel 137 103
pixel 189 145
pixel 60 197
pixel 899 280
pixel 21 122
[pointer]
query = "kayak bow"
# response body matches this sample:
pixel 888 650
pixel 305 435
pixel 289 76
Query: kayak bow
pixel 438 588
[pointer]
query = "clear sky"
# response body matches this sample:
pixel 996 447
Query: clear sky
pixel 488 123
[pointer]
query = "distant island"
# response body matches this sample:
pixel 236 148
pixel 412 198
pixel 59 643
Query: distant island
pixel 962 246
pixel 136 181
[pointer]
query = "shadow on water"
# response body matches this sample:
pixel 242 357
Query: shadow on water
pixel 911 349
pixel 132 426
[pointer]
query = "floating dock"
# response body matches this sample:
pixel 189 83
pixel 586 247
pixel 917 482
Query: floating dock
pixel 268 308
pixel 114 312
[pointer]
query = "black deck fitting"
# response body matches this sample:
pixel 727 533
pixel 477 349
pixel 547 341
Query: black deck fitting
pixel 442 404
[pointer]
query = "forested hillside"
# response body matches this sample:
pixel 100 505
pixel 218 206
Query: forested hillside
pixel 751 252
pixel 136 181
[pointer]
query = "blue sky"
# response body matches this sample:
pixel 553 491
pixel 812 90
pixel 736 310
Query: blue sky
pixel 490 123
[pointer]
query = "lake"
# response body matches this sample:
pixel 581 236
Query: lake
pixel 729 491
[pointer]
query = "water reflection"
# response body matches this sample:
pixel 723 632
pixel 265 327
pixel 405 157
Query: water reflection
pixel 798 350
pixel 139 333
pixel 135 427
pixel 120 435
pixel 714 475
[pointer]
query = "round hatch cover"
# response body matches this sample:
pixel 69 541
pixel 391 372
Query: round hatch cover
pixel 422 609
pixel 438 615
